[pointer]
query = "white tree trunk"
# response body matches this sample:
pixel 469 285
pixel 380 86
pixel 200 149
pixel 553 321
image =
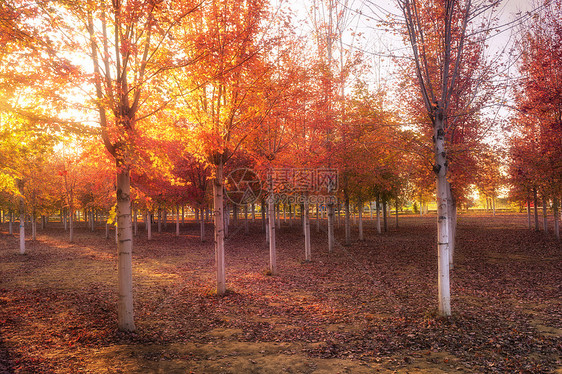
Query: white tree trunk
pixel 22 233
pixel 529 213
pixel 544 215
pixel 125 314
pixel 218 201
pixel 202 226
pixel 536 205
pixel 149 225
pixel 271 236
pixel 20 184
pixel 135 222
pixel 33 227
pixel 317 217
pixel 306 219
pixel 444 291
pixel 347 221
pixel 177 220
pixel 396 206
pixel 556 217
pixel 71 224
pixel 330 227
pixel 379 216
pixel 360 207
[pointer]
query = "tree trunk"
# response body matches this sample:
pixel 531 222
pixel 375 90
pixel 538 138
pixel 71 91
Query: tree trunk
pixel 306 219
pixel 384 216
pixel 396 206
pixel 535 203
pixel 182 216
pixel 20 185
pixel 246 226
pixel 11 223
pixel 529 213
pixel 317 217
pixel 218 201
pixel 360 207
pixel 202 227
pixel 544 215
pixel 125 314
pixel 177 220
pixel 135 222
pixel 149 225
pixel 106 230
pixel 253 212
pixel 271 235
pixel 71 223
pixel 379 215
pixel 33 226
pixel 556 217
pixel 347 221
pixel 330 227
pixel 263 225
pixel 444 291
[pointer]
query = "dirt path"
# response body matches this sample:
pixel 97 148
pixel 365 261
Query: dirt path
pixel 365 308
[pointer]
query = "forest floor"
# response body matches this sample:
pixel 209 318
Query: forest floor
pixel 368 307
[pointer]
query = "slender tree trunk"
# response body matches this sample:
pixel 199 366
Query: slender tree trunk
pixel 396 206
pixel 11 223
pixel 317 217
pixel 65 219
pixel 278 215
pixel 330 227
pixel 125 314
pixel 384 216
pixel 253 212
pixel 202 227
pixel 544 215
pixel 20 184
pixel 529 213
pixel 271 235
pixel 218 201
pixel 290 215
pixel 360 207
pixel 246 226
pixel 149 225
pixel 379 215
pixel 71 223
pixel 182 215
pixel 347 221
pixel 177 220
pixel 33 226
pixel 535 203
pixel 106 230
pixel 444 291
pixel 556 217
pixel 306 219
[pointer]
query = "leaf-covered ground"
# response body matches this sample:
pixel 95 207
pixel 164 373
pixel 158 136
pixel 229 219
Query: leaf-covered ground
pixel 369 307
